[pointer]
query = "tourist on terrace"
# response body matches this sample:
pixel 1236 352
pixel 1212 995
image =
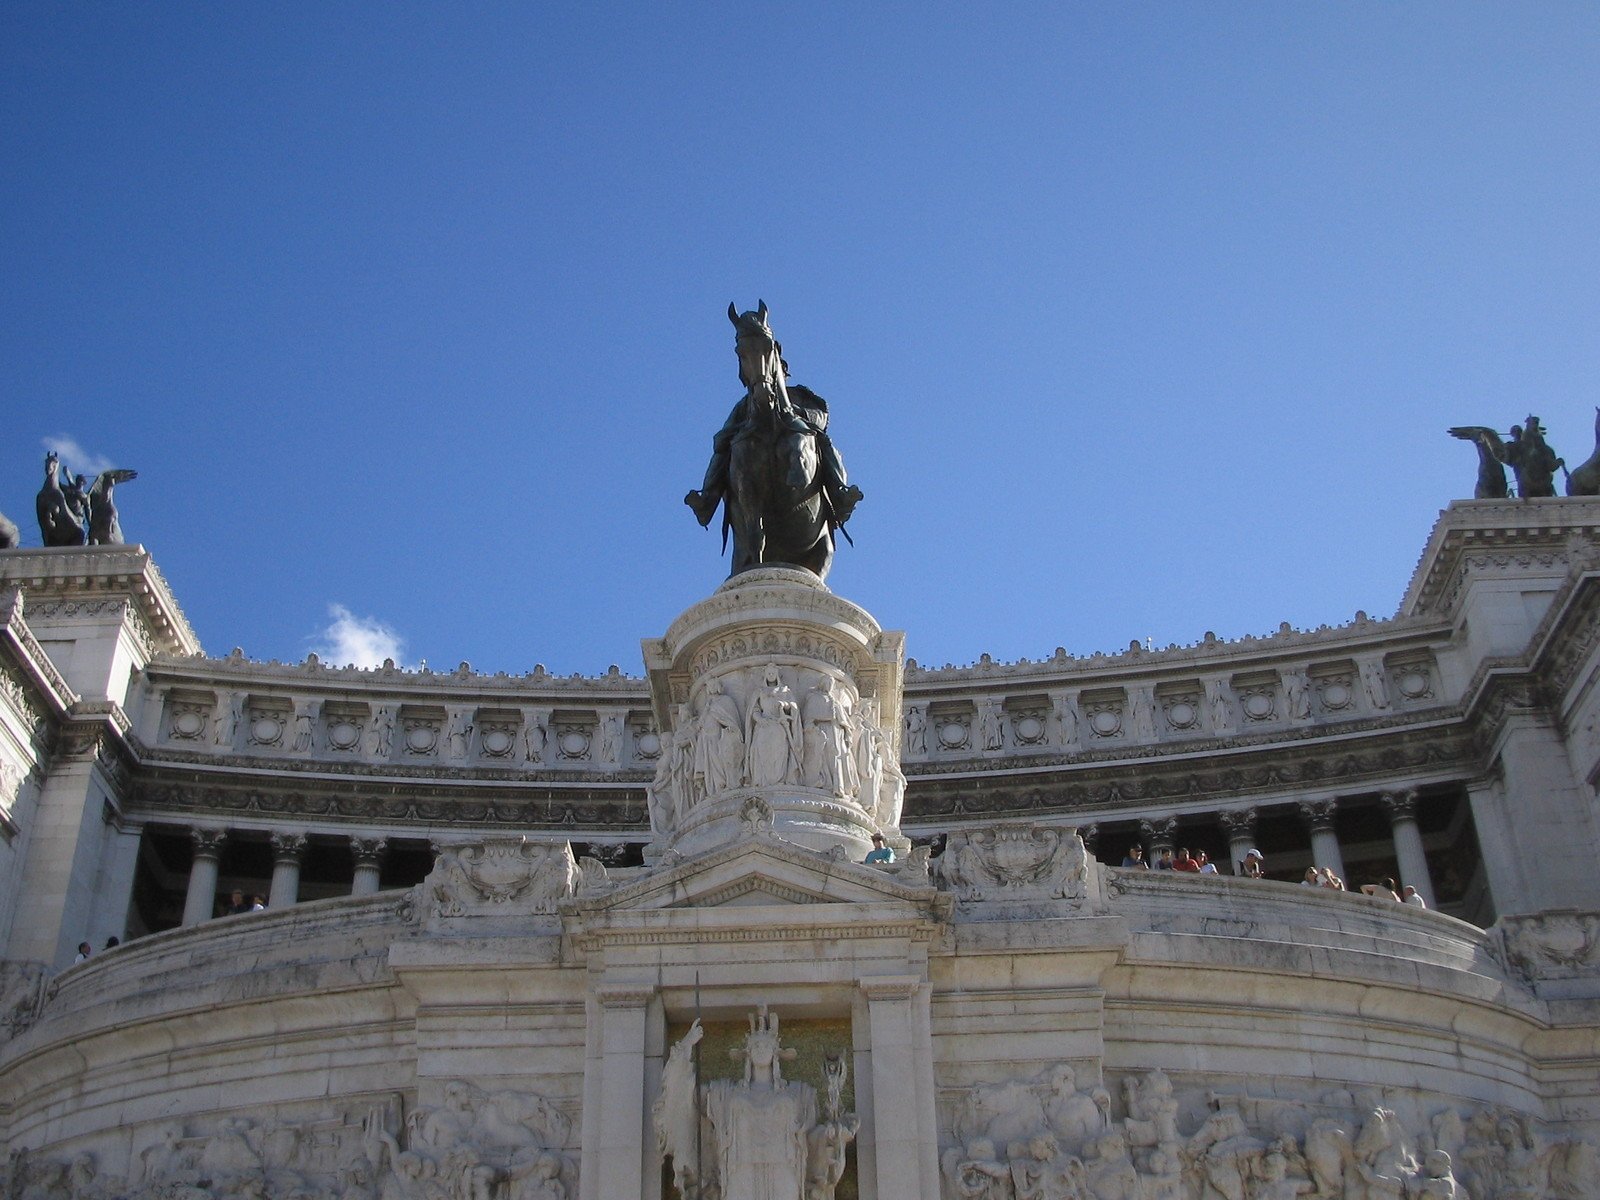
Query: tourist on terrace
pixel 1254 866
pixel 1204 865
pixel 1329 880
pixel 237 904
pixel 1135 857
pixel 1408 895
pixel 257 904
pixel 879 852
pixel 84 950
pixel 1183 862
pixel 1383 889
pixel 1313 878
pixel 1164 860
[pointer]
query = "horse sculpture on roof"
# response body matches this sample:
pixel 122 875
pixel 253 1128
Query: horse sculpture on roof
pixel 773 467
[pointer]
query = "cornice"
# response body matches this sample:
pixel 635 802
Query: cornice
pixel 30 657
pixel 80 573
pixel 1501 526
pixel 1209 655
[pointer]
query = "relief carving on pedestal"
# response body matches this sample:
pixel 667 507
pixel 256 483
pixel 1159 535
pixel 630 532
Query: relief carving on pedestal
pixel 1015 861
pixel 502 876
pixel 771 726
pixel 1555 944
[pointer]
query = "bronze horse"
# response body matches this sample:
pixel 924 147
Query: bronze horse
pixel 779 479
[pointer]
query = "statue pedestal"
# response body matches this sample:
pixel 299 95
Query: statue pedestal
pixel 778 704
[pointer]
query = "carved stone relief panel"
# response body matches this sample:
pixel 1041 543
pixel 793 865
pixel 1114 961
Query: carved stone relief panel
pixel 951 726
pixel 1257 697
pixel 268 720
pixel 1028 721
pixel 513 877
pixel 342 725
pixel 1334 685
pixel 188 716
pixel 498 734
pixel 572 736
pixel 1415 677
pixel 1181 706
pixel 1015 860
pixel 1103 711
pixel 421 731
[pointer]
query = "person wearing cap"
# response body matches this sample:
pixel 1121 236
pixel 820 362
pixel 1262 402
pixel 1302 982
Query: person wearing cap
pixel 1254 865
pixel 879 852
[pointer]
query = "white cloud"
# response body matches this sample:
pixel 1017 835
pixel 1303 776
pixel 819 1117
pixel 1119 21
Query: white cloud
pixel 357 641
pixel 75 458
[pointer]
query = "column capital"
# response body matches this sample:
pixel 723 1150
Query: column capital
pixel 1238 823
pixel 287 847
pixel 208 843
pixel 1401 806
pixel 369 851
pixel 889 987
pixel 1319 814
pixel 1159 831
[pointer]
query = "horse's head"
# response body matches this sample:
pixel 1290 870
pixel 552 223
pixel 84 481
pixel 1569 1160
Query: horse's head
pixel 52 464
pixel 760 355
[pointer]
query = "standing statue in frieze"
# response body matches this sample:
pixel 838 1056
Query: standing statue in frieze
pixel 719 747
pixel 774 469
pixel 828 756
pixel 1065 707
pixel 535 734
pixel 991 735
pixel 305 719
pixel 757 1138
pixel 916 729
pixel 380 736
pixel 227 727
pixel 610 739
pixel 773 741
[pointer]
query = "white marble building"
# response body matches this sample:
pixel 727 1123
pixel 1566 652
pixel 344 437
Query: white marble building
pixel 496 906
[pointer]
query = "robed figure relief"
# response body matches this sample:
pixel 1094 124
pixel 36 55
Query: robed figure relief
pixel 829 728
pixel 774 470
pixel 772 733
pixel 719 746
pixel 755 1138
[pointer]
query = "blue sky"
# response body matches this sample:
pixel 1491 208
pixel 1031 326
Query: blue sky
pixel 1136 320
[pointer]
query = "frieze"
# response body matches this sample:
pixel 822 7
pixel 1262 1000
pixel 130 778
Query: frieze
pixel 486 771
pixel 779 639
pixel 153 799
pixel 1429 749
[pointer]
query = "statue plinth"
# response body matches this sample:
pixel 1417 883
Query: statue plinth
pixel 777 702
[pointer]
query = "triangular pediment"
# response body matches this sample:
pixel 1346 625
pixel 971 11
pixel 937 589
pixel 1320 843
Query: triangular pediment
pixel 767 871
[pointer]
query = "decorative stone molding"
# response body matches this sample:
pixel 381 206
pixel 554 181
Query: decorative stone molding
pixel 499 877
pixel 22 996
pixel 1015 861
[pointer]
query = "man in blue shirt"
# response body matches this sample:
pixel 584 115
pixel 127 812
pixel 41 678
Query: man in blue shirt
pixel 879 852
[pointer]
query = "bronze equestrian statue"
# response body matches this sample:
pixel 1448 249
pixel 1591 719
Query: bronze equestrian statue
pixel 773 469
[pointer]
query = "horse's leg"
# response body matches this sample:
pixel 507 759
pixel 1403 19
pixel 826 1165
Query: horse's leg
pixel 749 543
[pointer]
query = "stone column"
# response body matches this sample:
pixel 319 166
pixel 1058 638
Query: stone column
pixel 1240 826
pixel 1402 810
pixel 614 1161
pixel 903 1118
pixel 201 901
pixel 286 851
pixel 368 854
pixel 1158 836
pixel 1318 816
